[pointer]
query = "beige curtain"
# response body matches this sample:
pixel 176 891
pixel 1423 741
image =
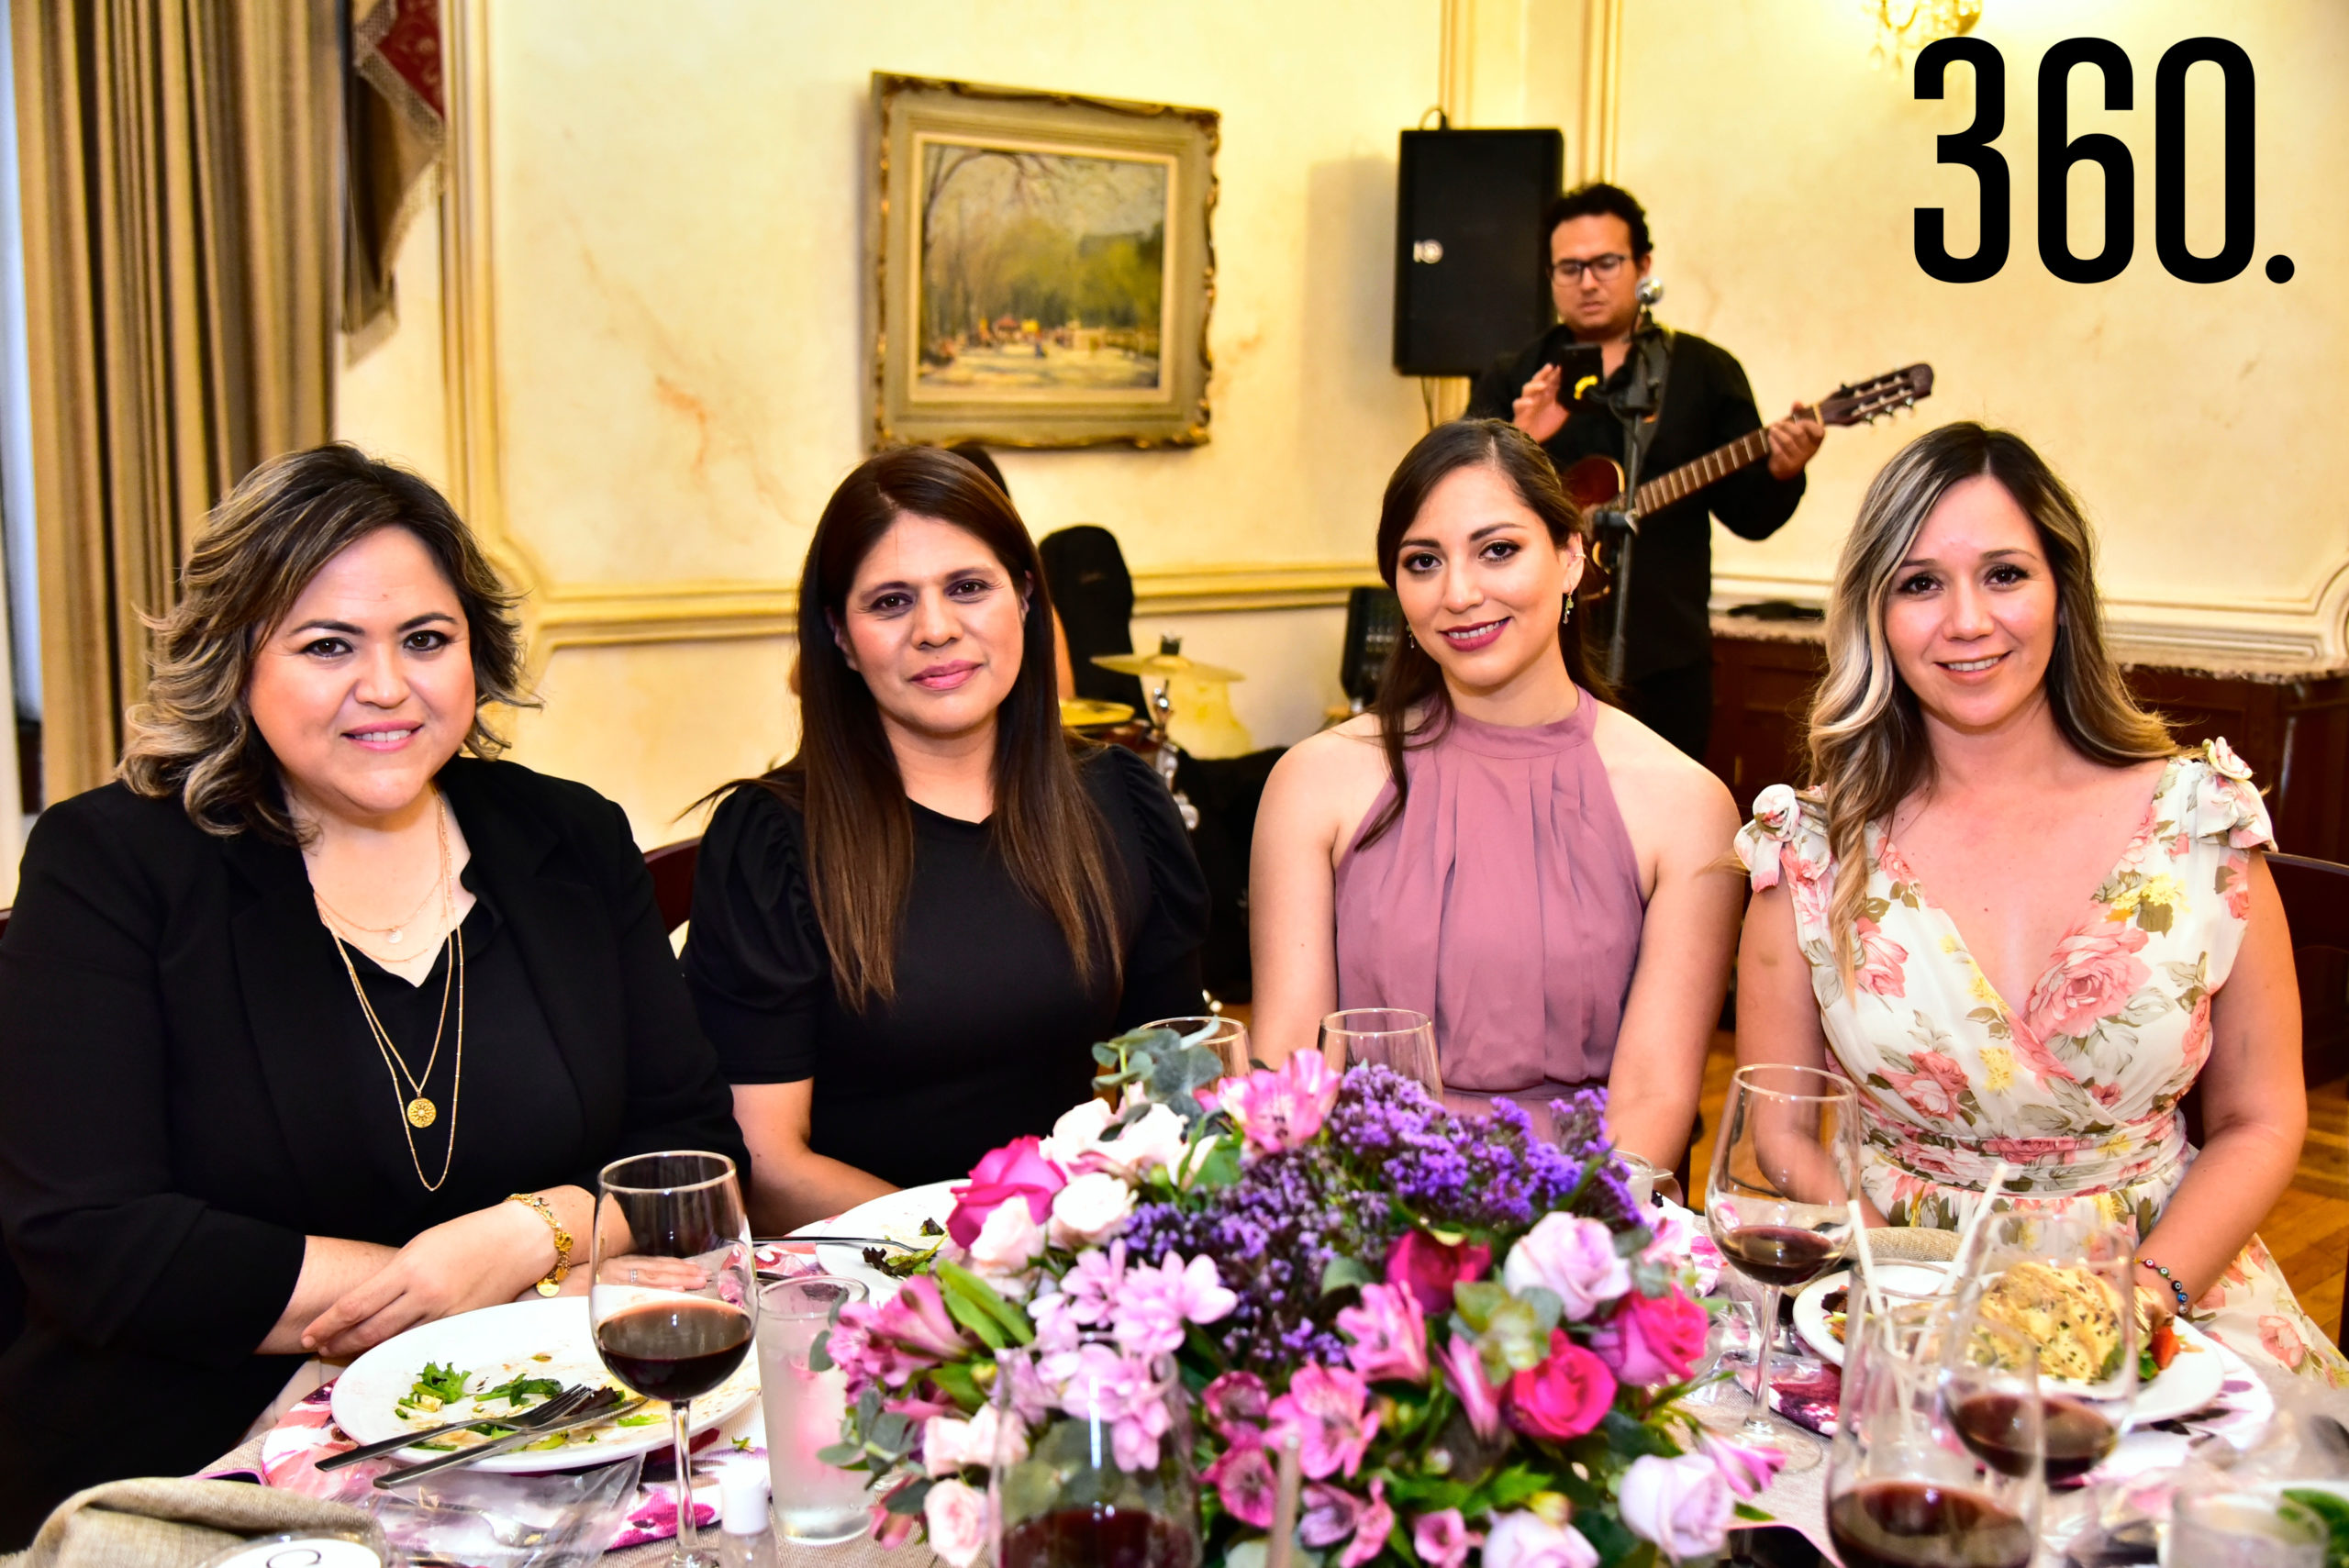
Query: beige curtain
pixel 179 178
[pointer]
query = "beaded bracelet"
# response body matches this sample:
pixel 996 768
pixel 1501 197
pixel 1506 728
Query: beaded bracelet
pixel 2175 1289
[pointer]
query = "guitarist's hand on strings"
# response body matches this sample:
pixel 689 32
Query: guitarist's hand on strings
pixel 1793 441
pixel 1538 412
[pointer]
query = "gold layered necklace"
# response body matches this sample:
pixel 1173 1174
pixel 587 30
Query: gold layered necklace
pixel 416 1109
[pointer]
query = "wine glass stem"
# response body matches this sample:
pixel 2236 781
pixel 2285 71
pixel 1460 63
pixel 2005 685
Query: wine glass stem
pixel 680 1424
pixel 1757 1413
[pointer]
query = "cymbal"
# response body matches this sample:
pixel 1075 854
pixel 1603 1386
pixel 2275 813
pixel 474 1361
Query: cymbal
pixel 1166 666
pixel 1085 712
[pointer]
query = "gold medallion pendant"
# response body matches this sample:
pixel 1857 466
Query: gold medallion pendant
pixel 421 1112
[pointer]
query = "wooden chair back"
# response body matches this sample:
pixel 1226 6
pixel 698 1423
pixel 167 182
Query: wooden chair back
pixel 672 866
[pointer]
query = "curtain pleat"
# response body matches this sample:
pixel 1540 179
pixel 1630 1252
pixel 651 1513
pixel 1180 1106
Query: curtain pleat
pixel 179 184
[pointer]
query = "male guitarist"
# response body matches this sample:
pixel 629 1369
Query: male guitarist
pixel 1599 255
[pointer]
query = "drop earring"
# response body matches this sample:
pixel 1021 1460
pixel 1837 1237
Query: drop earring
pixel 1567 614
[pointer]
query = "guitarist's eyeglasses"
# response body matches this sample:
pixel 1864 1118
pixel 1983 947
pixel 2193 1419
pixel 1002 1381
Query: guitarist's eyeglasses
pixel 1602 267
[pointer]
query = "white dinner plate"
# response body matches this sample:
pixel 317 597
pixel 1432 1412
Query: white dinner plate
pixel 2185 1385
pixel 895 1217
pixel 495 1345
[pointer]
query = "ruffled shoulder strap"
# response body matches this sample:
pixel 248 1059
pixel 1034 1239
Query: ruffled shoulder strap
pixel 1787 834
pixel 2211 797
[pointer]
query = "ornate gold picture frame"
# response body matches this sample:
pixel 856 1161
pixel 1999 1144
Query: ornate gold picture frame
pixel 1044 267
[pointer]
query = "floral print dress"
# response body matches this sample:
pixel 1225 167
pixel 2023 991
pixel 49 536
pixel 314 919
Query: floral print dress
pixel 2076 1088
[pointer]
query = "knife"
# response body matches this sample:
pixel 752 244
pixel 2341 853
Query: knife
pixel 506 1444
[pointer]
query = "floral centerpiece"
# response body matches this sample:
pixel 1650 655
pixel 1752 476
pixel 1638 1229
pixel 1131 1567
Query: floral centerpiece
pixel 1470 1338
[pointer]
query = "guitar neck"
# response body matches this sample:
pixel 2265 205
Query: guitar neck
pixel 1689 477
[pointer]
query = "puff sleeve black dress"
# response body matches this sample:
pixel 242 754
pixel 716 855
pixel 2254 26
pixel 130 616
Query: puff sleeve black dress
pixel 990 1034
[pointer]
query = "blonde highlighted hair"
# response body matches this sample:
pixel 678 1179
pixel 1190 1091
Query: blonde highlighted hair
pixel 193 734
pixel 1869 747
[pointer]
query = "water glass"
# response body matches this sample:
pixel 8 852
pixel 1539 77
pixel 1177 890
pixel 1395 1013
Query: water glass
pixel 1395 1038
pixel 1227 1037
pixel 815 1504
pixel 2241 1529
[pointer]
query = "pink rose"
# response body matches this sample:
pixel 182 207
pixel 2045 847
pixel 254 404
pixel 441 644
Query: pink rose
pixel 1244 1482
pixel 1279 1109
pixel 2095 972
pixel 1878 971
pixel 2235 885
pixel 1390 1335
pixel 1429 1269
pixel 957 1516
pixel 1018 1170
pixel 1529 1541
pixel 2196 1049
pixel 1444 1539
pixel 1328 1409
pixel 1573 1257
pixel 1894 863
pixel 1933 1092
pixel 1566 1395
pixel 2280 1339
pixel 2032 1052
pixel 1682 1505
pixel 1652 1339
pixel 1682 1243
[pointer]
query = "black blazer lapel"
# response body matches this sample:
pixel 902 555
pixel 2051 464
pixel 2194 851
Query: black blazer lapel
pixel 300 1010
pixel 561 926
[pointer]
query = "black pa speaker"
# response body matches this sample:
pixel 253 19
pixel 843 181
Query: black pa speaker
pixel 1471 261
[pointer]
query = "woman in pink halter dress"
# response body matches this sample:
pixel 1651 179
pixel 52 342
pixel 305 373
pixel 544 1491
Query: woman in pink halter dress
pixel 1494 845
pixel 2100 931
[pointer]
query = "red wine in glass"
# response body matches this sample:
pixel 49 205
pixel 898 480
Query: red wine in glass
pixel 1785 1255
pixel 1913 1524
pixel 2079 1435
pixel 675 1350
pixel 1098 1537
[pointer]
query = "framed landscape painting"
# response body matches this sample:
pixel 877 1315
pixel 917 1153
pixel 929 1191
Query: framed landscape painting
pixel 1044 267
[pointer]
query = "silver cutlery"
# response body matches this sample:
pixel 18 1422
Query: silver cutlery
pixel 606 1405
pixel 554 1409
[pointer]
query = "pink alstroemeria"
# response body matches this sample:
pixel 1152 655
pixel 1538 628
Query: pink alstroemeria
pixel 893 1530
pixel 1327 1515
pixel 1390 1335
pixel 1748 1471
pixel 1429 1268
pixel 1444 1539
pixel 1463 1369
pixel 1280 1109
pixel 1236 1402
pixel 1155 1302
pixel 1328 1409
pixel 1018 1170
pixel 1243 1481
pixel 1371 1530
pixel 899 1339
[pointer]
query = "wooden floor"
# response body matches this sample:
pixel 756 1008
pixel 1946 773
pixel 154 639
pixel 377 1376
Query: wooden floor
pixel 2307 1230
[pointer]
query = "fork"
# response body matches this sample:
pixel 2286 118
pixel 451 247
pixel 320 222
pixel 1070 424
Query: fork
pixel 554 1409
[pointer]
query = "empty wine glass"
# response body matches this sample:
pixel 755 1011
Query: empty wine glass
pixel 672 1297
pixel 1393 1037
pixel 1226 1036
pixel 1778 1203
pixel 1938 1444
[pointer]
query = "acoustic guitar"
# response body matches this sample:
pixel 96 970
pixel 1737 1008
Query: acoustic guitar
pixel 1598 482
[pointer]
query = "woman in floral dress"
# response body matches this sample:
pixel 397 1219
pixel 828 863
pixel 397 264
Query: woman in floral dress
pixel 2100 925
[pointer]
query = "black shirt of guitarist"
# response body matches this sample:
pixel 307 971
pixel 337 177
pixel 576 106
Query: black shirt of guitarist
pixel 1599 255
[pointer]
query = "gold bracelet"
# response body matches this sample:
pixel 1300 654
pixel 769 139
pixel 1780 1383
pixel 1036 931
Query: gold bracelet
pixel 552 1284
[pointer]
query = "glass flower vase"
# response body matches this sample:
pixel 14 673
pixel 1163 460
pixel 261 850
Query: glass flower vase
pixel 1093 1465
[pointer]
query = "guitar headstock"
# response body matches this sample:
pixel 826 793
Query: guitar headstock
pixel 1878 395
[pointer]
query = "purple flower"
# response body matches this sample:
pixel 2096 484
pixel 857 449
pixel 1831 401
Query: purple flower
pixel 1389 1334
pixel 1444 1539
pixel 1329 1515
pixel 1463 1369
pixel 1573 1257
pixel 1474 1173
pixel 1326 1409
pixel 1371 1530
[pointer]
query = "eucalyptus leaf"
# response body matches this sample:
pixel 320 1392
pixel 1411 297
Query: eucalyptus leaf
pixel 819 1352
pixel 842 1456
pixel 890 1432
pixel 1478 1300
pixel 1341 1271
pixel 908 1499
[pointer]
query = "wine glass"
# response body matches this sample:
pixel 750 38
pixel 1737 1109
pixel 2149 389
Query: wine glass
pixel 1778 1203
pixel 1227 1037
pixel 1082 1476
pixel 1393 1037
pixel 674 1292
pixel 1938 1443
pixel 2063 1276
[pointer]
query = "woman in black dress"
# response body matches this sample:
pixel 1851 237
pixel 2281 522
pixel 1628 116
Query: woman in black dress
pixel 906 938
pixel 313 1029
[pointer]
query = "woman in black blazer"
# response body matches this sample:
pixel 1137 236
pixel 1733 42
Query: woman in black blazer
pixel 289 1011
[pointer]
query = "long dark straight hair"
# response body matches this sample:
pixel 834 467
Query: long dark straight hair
pixel 844 777
pixel 1414 705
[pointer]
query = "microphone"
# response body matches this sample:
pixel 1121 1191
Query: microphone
pixel 1649 291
